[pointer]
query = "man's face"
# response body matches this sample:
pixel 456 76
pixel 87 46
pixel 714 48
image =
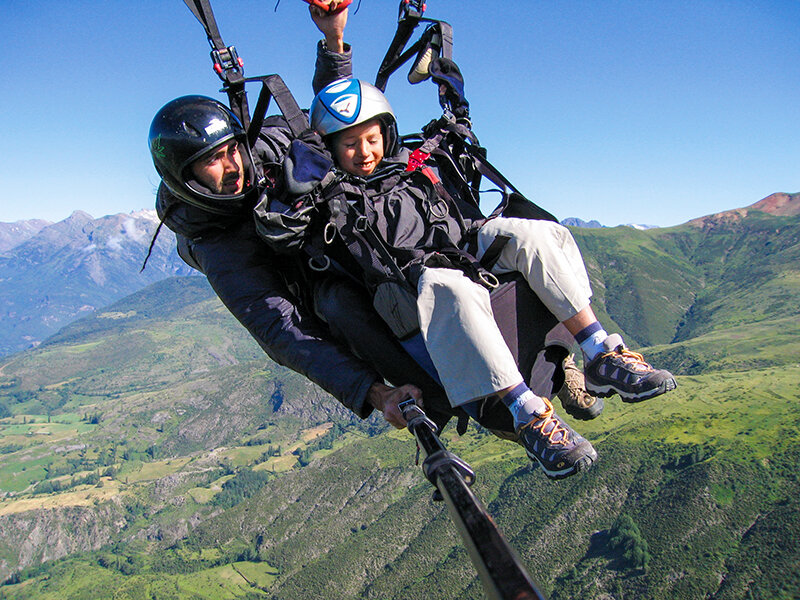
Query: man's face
pixel 359 149
pixel 222 170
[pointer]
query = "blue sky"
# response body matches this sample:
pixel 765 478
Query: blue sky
pixel 616 110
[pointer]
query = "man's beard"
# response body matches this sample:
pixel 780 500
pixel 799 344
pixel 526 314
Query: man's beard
pixel 228 182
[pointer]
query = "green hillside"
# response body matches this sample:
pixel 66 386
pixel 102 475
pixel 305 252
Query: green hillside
pixel 152 451
pixel 675 284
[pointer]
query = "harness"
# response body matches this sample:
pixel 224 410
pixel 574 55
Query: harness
pixel 227 63
pixel 446 153
pixel 320 205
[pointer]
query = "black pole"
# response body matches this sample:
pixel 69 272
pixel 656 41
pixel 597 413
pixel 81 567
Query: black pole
pixel 500 570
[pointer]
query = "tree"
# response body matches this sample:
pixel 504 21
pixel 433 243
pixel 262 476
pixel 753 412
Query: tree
pixel 626 539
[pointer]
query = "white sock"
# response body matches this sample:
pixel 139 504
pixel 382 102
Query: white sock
pixel 523 406
pixel 593 345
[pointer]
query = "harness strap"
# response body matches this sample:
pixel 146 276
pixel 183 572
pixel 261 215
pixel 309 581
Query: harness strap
pixel 492 254
pixel 442 192
pixel 410 16
pixel 202 10
pixel 416 161
pixel 227 63
pixel 531 211
pixel 434 134
pixel 418 157
pixel 362 231
pixel 273 86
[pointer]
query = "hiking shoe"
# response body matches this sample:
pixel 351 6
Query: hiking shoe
pixel 552 443
pixel 573 395
pixel 618 370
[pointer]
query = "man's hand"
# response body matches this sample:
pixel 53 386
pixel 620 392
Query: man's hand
pixel 386 399
pixel 331 25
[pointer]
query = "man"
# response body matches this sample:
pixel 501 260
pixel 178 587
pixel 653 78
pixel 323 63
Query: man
pixel 209 184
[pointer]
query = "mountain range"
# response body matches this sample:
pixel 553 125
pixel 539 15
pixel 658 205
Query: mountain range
pixel 150 450
pixel 53 273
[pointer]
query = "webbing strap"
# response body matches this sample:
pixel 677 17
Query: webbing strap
pixel 433 145
pixel 489 171
pixel 274 87
pixel 227 63
pixel 409 19
pixel 417 158
pixel 421 154
pixel 362 230
pixel 416 161
pixel 202 10
pixel 492 254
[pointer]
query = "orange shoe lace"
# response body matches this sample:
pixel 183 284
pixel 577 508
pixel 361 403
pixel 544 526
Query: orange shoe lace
pixel 546 418
pixel 634 359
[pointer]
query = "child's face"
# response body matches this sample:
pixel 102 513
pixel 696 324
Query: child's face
pixel 359 149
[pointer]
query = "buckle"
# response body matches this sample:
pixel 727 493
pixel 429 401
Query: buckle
pixel 226 61
pixel 488 279
pixel 321 266
pixel 329 233
pixel 417 159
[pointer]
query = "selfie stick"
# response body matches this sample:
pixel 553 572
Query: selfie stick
pixel 500 569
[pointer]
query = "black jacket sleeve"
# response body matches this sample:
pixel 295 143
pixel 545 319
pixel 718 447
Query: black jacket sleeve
pixel 331 66
pixel 243 274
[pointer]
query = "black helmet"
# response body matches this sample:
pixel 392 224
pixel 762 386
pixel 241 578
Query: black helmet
pixel 188 128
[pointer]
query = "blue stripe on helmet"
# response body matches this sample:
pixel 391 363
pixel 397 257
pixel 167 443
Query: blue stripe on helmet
pixel 343 100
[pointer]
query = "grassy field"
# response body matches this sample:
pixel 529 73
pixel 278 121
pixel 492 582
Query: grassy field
pixel 729 415
pixel 164 458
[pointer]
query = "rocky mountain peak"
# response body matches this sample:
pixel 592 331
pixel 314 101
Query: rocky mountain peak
pixel 14 234
pixel 61 271
pixel 778 204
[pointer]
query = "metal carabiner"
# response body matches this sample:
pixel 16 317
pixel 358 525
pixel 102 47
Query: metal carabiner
pixel 488 279
pixel 361 224
pixel 315 267
pixel 329 233
pixel 439 209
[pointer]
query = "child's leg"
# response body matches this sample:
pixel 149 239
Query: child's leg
pixel 473 361
pixel 546 255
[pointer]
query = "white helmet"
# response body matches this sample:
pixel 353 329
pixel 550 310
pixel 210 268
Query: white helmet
pixel 348 102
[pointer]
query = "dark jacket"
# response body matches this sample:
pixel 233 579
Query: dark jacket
pixel 251 281
pixel 245 276
pixel 416 220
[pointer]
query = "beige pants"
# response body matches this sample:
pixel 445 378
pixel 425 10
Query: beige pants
pixel 546 255
pixel 455 314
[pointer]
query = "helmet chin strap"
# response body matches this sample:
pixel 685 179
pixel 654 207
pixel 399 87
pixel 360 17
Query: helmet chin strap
pixel 197 186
